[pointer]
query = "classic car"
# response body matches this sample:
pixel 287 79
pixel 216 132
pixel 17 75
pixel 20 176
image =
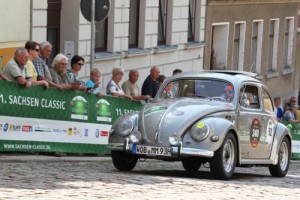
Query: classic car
pixel 224 118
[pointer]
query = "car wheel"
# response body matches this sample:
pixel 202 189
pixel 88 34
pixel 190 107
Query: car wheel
pixel 223 163
pixel 191 164
pixel 123 161
pixel 284 156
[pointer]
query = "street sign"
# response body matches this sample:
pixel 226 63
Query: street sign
pixel 102 8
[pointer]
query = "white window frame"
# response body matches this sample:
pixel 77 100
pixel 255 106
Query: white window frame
pixel 288 42
pixel 256 46
pixel 238 54
pixel 273 45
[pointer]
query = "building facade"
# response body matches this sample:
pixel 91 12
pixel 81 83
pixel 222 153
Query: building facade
pixel 257 36
pixel 137 34
pixel 247 35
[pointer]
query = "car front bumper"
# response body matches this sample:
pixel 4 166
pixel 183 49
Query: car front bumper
pixel 176 151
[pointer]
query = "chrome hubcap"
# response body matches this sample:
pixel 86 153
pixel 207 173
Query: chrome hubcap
pixel 228 155
pixel 283 156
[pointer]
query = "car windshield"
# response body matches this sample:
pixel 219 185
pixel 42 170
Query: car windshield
pixel 201 88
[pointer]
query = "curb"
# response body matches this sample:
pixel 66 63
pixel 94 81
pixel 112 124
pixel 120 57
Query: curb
pixel 49 158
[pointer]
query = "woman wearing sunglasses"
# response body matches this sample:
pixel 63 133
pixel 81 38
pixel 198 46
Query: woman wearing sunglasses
pixel 77 63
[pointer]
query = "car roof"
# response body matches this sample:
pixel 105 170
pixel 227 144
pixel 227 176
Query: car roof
pixel 235 77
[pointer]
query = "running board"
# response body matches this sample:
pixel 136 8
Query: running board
pixel 256 162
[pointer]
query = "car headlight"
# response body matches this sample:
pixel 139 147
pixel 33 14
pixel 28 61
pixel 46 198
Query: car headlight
pixel 124 126
pixel 199 131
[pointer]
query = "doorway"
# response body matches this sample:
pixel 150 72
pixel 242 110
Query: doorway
pixel 53 27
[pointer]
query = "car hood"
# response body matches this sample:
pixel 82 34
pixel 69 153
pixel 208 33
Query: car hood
pixel 174 117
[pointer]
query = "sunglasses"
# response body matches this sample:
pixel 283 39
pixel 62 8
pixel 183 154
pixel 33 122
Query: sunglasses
pixel 80 64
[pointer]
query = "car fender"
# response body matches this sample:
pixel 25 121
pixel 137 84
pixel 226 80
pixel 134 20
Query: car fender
pixel 280 132
pixel 218 127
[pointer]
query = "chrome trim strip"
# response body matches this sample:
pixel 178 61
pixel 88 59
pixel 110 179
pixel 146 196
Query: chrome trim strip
pixel 256 161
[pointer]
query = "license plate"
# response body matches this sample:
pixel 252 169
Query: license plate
pixel 151 150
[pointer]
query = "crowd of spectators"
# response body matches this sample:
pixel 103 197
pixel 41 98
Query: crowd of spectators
pixel 30 66
pixel 289 112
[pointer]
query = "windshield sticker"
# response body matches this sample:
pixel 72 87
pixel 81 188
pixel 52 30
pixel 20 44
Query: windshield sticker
pixel 255 133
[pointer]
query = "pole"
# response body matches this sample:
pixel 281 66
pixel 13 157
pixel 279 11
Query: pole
pixel 92 35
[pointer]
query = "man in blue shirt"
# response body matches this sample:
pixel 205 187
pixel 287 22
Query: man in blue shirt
pixel 151 85
pixel 278 109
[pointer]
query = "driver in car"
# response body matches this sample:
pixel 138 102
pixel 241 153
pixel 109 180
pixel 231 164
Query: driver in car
pixel 228 93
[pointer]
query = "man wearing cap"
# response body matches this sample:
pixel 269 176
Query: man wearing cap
pixel 289 115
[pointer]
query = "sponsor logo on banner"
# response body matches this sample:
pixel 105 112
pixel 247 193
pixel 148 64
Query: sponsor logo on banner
pixel 5 127
pixel 86 132
pixel 77 131
pixel 42 129
pixel 103 111
pixel 97 132
pixel 79 108
pixel 57 130
pixel 26 128
pixel 70 131
pixel 13 127
pixel 104 133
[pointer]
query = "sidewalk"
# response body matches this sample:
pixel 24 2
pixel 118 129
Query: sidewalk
pixel 23 157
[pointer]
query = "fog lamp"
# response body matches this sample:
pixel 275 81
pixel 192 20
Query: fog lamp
pixel 135 136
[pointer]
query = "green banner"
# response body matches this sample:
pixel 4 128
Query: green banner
pixel 294 129
pixel 39 120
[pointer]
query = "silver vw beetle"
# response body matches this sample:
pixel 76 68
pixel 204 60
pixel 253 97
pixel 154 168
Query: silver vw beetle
pixel 224 118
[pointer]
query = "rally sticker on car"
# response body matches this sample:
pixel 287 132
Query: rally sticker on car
pixel 255 132
pixel 200 125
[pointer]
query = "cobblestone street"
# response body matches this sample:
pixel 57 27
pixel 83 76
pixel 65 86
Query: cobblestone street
pixel 82 178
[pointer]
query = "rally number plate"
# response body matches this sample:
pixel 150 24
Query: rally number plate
pixel 151 150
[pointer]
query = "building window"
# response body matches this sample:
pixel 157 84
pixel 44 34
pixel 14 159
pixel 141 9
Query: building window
pixel 273 45
pixel 162 22
pixel 288 42
pixel 238 46
pixel 133 23
pixel 101 36
pixel 256 46
pixel 191 26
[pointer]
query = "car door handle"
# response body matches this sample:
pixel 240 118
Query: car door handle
pixel 263 118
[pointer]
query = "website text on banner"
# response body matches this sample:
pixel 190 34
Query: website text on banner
pixel 39 120
pixel 294 129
